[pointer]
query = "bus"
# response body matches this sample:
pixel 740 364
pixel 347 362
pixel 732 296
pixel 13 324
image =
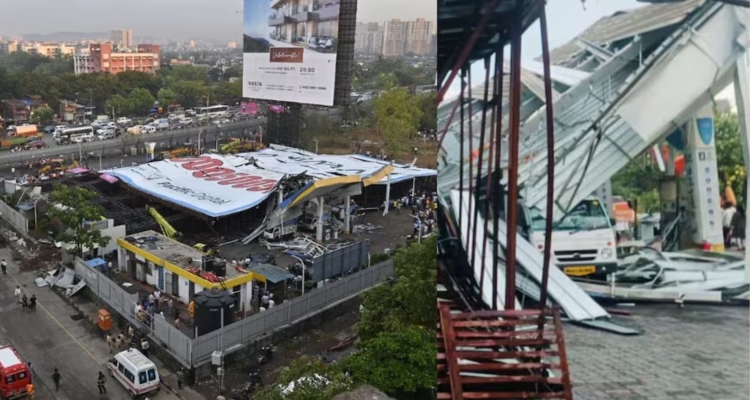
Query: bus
pixel 212 111
pixel 75 135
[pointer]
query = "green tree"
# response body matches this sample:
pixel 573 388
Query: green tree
pixel 228 93
pixel 397 115
pixel 141 100
pixel 75 209
pixel 410 301
pixel 129 80
pixel 638 180
pixel 166 97
pixel 429 111
pixel 400 363
pixel 312 379
pixel 43 116
pixel 188 73
pixel 190 93
pixel 121 105
pixel 729 155
pixel 386 81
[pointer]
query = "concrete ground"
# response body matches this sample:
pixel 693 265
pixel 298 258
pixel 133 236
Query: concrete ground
pixel 50 338
pixel 695 353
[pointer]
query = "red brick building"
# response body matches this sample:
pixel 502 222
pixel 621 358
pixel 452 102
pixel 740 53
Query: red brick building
pixel 102 58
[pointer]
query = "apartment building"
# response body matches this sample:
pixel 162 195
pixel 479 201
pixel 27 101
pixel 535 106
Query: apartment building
pixel 102 58
pixel 369 38
pixel 122 38
pixel 43 49
pixel 419 36
pixel 18 112
pixel 396 38
pixel 297 21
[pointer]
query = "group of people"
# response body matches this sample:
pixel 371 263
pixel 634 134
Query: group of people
pixel 28 303
pixel 734 221
pixel 101 379
pixel 423 208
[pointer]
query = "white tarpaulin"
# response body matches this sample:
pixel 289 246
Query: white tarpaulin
pixel 211 184
pixel 291 161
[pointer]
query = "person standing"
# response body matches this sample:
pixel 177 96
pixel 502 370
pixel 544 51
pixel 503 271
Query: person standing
pixel 17 293
pixel 56 379
pixel 726 222
pixel 145 347
pixel 4 266
pixel 30 391
pixel 100 381
pixel 180 376
pixel 32 303
pixel 110 343
pixel 739 223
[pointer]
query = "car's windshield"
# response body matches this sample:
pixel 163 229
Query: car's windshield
pixel 538 221
pixel 587 215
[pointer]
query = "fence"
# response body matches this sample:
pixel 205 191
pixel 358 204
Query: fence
pixel 286 313
pixel 176 342
pixel 15 218
pixel 119 147
pixel 193 352
pixel 337 262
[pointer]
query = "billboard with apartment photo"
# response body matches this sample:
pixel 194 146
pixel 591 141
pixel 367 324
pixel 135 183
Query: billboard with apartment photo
pixel 290 50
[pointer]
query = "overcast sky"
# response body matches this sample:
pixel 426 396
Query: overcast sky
pixel 169 19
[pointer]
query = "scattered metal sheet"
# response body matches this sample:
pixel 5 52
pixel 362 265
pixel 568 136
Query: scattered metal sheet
pixel 66 279
pixel 76 288
pixel 609 327
pixel 40 282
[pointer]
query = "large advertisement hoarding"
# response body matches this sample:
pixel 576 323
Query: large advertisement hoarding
pixel 290 50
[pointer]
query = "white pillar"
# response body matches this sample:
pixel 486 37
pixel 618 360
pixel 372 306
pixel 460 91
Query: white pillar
pixel 704 179
pixel 321 211
pixel 413 187
pixel 387 195
pixel 347 214
pixel 281 213
pixel 742 96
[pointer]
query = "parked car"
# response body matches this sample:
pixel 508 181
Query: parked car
pixel 123 121
pixel 186 121
pixel 35 144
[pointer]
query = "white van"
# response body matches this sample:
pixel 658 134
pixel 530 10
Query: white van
pixel 135 372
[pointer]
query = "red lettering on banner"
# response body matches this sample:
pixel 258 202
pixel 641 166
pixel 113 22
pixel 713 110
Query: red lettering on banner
pixel 202 163
pixel 212 170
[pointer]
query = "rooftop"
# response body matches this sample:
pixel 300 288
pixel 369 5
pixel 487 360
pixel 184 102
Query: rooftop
pixel 171 250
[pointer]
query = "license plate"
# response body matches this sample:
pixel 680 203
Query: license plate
pixel 579 271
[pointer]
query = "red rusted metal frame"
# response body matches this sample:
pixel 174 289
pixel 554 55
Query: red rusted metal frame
pixel 513 142
pixel 450 352
pixel 496 201
pixel 468 47
pixel 480 160
pixel 471 243
pixel 567 385
pixel 461 150
pixel 549 108
pixel 481 330
pixel 487 201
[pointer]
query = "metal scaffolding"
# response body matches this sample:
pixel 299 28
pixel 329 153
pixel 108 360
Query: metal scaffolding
pixel 510 348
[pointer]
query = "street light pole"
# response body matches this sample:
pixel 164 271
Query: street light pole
pixel 200 133
pixel 100 161
pixel 316 145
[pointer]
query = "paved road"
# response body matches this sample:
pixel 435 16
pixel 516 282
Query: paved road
pixel 117 146
pixel 50 339
pixel 694 353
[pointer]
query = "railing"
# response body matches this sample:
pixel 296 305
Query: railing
pixel 193 352
pixel 122 146
pixel 284 314
pixel 14 218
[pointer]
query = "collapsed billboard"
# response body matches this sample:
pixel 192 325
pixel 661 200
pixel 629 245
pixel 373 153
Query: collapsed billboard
pixel 291 161
pixel 211 184
pixel 290 50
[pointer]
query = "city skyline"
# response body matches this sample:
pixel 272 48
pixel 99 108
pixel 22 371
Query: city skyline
pixel 221 22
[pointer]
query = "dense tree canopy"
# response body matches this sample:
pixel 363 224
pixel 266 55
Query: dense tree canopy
pixel 397 115
pixel 23 75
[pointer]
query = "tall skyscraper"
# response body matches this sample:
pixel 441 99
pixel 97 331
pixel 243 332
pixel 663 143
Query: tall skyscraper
pixel 419 36
pixel 122 38
pixel 395 34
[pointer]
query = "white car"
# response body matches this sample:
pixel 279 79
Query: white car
pixel 186 121
pixel 221 121
pixel 123 121
pixel 106 135
pixel 148 129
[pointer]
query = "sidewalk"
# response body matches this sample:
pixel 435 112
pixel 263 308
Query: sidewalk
pixel 168 378
pixel 55 337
